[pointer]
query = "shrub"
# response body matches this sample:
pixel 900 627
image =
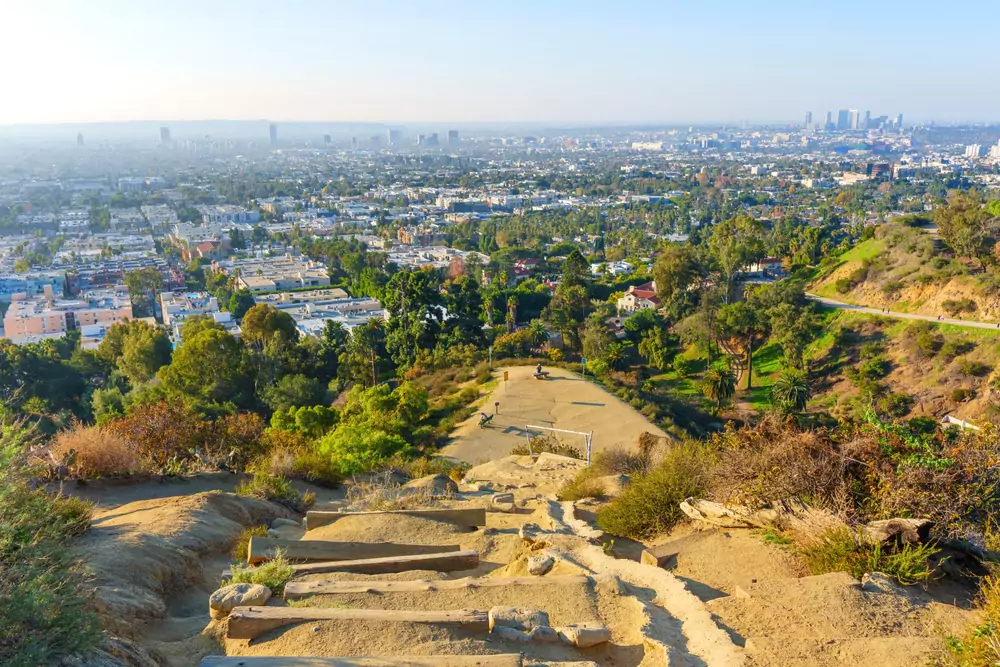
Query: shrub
pixel 483 373
pixel 960 394
pixel 926 337
pixel 597 367
pixel 979 645
pixel 955 307
pixel 894 404
pixel 970 368
pixel 618 461
pixel 839 550
pixel 649 505
pixel 92 452
pixel 843 285
pixel 239 551
pixel 580 487
pixel 681 366
pixel 892 287
pixel 425 465
pixel 955 348
pixel 45 614
pixel 274 488
pixel 274 574
pixel 556 355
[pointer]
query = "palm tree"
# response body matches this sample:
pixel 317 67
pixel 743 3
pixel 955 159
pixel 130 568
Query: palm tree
pixel 537 332
pixel 791 391
pixel 616 356
pixel 719 385
pixel 511 313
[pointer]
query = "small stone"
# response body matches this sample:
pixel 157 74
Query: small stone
pixel 489 530
pixel 510 634
pixel 544 634
pixel 584 635
pixel 503 502
pixel 279 522
pixel 529 532
pixel 227 598
pixel 271 532
pixel 315 628
pixel 540 564
pixel 877 582
pixel 519 618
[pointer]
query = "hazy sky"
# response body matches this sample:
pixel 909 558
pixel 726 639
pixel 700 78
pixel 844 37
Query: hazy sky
pixel 504 60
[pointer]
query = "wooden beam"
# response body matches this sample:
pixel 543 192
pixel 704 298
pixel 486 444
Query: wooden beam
pixel 462 517
pixel 263 548
pixel 251 622
pixel 300 589
pixel 499 660
pixel 438 562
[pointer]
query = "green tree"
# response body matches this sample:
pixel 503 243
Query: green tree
pixel 263 324
pixel 734 244
pixel 719 385
pixel 206 366
pixel 791 391
pixel 293 391
pixel 145 350
pixel 967 226
pixel 674 271
pixel 194 325
pixel 616 356
pixel 240 302
pixel 656 349
pixel 364 352
pixel 143 285
pixel 742 328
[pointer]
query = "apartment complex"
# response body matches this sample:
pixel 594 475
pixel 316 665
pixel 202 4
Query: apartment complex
pixel 275 274
pixel 33 318
pixel 311 310
pixel 177 306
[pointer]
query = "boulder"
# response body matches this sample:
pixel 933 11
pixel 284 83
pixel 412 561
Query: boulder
pixel 518 618
pixel 434 485
pixel 503 502
pixel 540 564
pixel 529 532
pixel 544 634
pixel 899 532
pixel 227 598
pixel 877 582
pixel 584 635
pixel 279 522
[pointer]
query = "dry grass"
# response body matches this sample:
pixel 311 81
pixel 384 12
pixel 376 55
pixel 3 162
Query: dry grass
pixel 979 645
pixel 90 451
pixel 382 493
pixel 240 549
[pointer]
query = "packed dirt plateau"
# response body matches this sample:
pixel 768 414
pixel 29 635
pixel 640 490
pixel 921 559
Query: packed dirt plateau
pixel 726 597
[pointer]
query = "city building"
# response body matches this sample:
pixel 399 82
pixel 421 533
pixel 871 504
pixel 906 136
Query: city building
pixel 177 306
pixel 34 318
pixel 809 119
pixel 164 136
pixel 853 119
pixel 313 309
pixel 272 130
pixel 843 119
pixel 393 137
pixel 31 283
pixel 275 274
pixel 974 151
pixel 453 138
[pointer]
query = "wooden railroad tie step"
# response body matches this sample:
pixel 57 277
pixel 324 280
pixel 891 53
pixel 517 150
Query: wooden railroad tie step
pixel 462 517
pixel 251 622
pixel 499 660
pixel 300 589
pixel 437 562
pixel 263 549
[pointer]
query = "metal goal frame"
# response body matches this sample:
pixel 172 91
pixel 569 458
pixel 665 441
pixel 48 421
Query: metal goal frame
pixel 587 436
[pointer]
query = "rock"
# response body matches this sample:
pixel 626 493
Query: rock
pixel 544 634
pixel 529 532
pixel 503 502
pixel 510 634
pixel 877 582
pixel 899 531
pixel 227 598
pixel 518 618
pixel 584 635
pixel 435 485
pixel 474 487
pixel 279 522
pixel 540 564
pixel 272 532
pixel 609 583
pixel 489 530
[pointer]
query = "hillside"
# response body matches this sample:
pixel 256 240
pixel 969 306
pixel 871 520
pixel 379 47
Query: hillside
pixel 906 269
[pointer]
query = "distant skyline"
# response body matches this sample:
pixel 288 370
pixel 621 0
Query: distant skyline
pixel 490 61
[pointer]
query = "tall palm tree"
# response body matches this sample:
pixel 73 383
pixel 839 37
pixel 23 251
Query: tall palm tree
pixel 511 313
pixel 537 332
pixel 791 391
pixel 616 356
pixel 719 385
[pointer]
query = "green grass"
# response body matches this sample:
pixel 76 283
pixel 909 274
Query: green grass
pixel 274 574
pixel 859 253
pixel 839 550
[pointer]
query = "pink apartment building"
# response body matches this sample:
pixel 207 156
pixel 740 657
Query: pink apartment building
pixel 47 316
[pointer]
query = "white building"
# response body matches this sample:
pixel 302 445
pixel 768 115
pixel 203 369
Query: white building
pixel 177 306
pixel 974 151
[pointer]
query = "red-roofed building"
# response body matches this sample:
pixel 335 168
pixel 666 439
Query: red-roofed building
pixel 639 297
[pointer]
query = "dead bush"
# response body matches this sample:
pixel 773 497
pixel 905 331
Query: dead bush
pixel 548 443
pixel 775 460
pixel 617 461
pixel 90 451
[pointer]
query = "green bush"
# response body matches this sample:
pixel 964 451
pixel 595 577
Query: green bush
pixel 979 644
pixel 276 489
pixel 649 505
pixel 45 612
pixel 839 550
pixel 960 394
pixel 955 348
pixel 582 486
pixel 274 574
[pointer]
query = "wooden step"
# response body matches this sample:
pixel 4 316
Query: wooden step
pixel 300 589
pixel 499 660
pixel 462 517
pixel 263 549
pixel 251 622
pixel 438 562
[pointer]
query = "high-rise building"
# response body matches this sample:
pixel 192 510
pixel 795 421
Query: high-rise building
pixel 326 140
pixel 899 121
pixel 995 151
pixel 974 151
pixel 273 132
pixel 809 118
pixel 354 143
pixel 79 138
pixel 853 119
pixel 164 136
pixel 868 119
pixel 453 138
pixel 394 137
pixel 843 119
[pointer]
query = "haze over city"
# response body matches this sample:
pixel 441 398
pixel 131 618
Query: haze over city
pixel 487 62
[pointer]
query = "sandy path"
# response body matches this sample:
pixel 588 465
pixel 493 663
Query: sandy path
pixel 563 401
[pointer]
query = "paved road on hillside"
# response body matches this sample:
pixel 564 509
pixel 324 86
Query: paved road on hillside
pixel 833 303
